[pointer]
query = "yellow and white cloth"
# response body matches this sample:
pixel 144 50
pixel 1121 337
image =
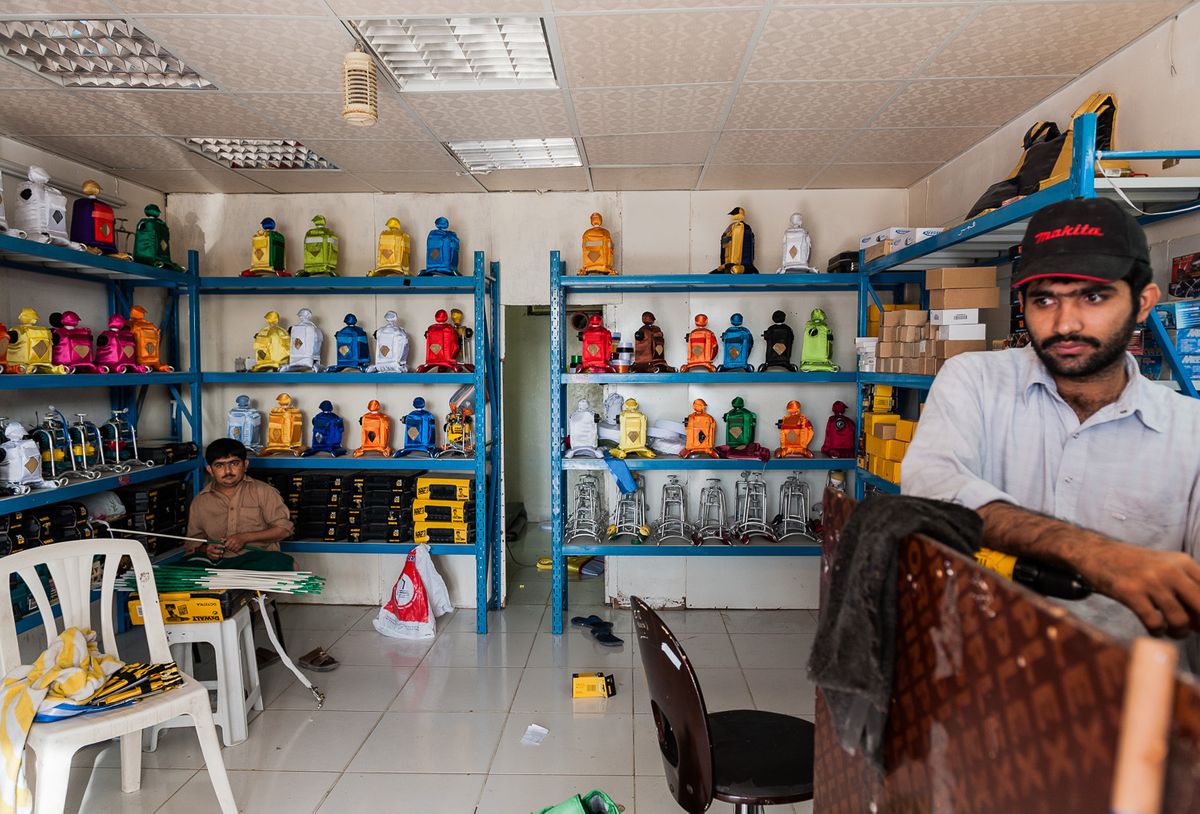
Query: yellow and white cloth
pixel 70 670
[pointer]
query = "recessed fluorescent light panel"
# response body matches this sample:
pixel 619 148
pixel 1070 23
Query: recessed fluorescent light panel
pixel 461 53
pixel 95 54
pixel 259 154
pixel 516 154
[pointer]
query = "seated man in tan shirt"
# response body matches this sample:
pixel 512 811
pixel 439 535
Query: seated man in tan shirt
pixel 246 516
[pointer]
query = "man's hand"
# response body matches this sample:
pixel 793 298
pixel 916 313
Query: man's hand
pixel 214 551
pixel 1161 587
pixel 234 543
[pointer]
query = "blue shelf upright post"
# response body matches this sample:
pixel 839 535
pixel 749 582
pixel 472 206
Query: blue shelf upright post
pixel 195 412
pixel 483 429
pixel 497 440
pixel 558 574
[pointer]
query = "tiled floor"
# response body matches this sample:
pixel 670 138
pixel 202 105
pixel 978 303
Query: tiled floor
pixel 436 726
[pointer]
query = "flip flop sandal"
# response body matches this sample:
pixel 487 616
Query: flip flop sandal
pixel 592 622
pixel 606 637
pixel 318 660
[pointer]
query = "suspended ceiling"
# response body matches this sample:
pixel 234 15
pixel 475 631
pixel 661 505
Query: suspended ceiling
pixel 658 94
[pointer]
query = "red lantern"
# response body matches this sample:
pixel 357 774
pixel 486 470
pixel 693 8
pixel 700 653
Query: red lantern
pixel 597 347
pixel 441 346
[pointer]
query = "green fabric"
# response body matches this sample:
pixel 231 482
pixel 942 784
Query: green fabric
pixel 594 802
pixel 252 559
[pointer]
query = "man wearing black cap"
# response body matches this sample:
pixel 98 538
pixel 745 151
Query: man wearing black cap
pixel 1067 453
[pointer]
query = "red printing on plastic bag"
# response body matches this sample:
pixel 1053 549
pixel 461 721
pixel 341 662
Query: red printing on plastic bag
pixel 408 602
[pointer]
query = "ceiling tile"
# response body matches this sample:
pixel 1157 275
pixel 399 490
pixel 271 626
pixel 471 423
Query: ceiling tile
pixel 779 146
pixel 759 176
pixel 417 8
pixel 912 144
pixel 871 176
pixel 14 76
pixel 52 111
pixel 504 114
pixel 649 109
pixel 35 8
pixel 258 53
pixel 655 49
pixel 652 148
pixel 1055 37
pixel 215 180
pixel 423 182
pixel 385 156
pixel 319 116
pixel 184 113
pixel 644 178
pixel 567 179
pixel 125 152
pixel 881 42
pixel 779 106
pixel 308 180
pixel 963 102
pixel 634 5
pixel 294 8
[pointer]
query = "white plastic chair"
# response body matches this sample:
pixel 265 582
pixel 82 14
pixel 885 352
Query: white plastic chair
pixel 70 566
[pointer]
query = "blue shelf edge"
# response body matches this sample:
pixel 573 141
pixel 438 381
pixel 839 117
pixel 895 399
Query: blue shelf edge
pixel 898 380
pixel 648 550
pixel 769 377
pixel 344 377
pixel 339 285
pixel 711 282
pixel 41 381
pixel 64 261
pixel 348 463
pixel 319 547
pixel 724 464
pixel 78 489
pixel 878 482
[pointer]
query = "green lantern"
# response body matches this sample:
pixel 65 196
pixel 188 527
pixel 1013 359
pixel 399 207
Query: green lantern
pixel 152 241
pixel 320 250
pixel 740 424
pixel 816 355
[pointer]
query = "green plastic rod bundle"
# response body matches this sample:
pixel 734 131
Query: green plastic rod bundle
pixel 170 578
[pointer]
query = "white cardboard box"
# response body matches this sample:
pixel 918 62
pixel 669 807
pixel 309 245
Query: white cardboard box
pixel 920 233
pixel 957 332
pixel 895 234
pixel 954 316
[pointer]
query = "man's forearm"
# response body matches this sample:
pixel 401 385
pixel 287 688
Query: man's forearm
pixel 269 535
pixel 1020 532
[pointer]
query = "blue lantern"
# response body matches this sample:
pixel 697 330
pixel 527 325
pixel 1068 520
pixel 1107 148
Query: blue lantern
pixel 441 251
pixel 420 432
pixel 327 430
pixel 738 342
pixel 353 353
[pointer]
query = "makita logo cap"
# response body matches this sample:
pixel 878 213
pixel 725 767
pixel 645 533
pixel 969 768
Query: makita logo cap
pixel 1084 239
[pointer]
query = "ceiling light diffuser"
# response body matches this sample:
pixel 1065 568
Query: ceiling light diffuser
pixel 259 154
pixel 516 154
pixel 95 54
pixel 461 53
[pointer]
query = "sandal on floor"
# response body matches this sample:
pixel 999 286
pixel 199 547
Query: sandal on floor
pixel 592 622
pixel 605 637
pixel 318 661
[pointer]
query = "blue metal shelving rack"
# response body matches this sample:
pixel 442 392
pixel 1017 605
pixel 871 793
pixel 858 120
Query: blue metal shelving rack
pixel 120 279
pixel 988 238
pixel 484 288
pixel 561 288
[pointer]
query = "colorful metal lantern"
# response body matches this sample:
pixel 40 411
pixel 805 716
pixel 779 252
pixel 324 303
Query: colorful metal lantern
pixel 795 433
pixel 633 433
pixel 285 428
pixel 152 241
pixel 74 346
pixel 3 346
pixel 119 440
pixel 266 252
pixel 376 431
pixel 779 339
pixel 840 436
pixel 797 247
pixel 320 250
pixel 597 248
pixel 272 346
pixel 93 222
pixel 304 344
pixel 353 349
pixel 147 340
pixel 582 426
pixel 816 354
pixel 738 342
pixel 441 250
pixel 737 246
pixel 459 430
pixel 465 335
pixel 740 427
pixel 649 348
pixel 441 346
pixel 30 346
pixel 395 247
pixel 597 347
pixel 391 347
pixel 702 347
pixel 116 348
pixel 21 460
pixel 327 431
pixel 41 210
pixel 701 432
pixel 244 424
pixel 420 432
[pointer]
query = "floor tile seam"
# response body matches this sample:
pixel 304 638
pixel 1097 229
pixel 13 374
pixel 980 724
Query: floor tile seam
pixel 365 741
pixel 195 773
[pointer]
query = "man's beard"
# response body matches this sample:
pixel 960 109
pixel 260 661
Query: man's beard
pixel 1107 353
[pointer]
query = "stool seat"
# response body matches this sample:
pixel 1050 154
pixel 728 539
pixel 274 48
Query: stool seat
pixel 761 758
pixel 237 686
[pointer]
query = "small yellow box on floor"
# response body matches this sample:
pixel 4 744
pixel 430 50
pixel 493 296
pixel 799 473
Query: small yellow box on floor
pixel 905 430
pixel 894 450
pixel 593 685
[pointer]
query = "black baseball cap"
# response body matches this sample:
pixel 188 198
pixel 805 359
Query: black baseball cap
pixel 1084 239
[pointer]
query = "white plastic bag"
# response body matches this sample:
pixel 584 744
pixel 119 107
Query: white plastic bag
pixel 418 598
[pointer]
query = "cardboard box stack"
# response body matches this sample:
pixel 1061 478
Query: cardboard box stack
pixel 904 343
pixel 875 316
pixel 1184 317
pixel 886 436
pixel 956 297
pixel 444 510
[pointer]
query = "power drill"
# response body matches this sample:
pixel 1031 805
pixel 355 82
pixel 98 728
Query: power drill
pixel 1047 580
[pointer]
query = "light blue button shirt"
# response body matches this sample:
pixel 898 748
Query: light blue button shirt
pixel 995 428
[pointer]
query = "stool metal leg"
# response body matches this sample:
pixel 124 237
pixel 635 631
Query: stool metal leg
pixel 747 808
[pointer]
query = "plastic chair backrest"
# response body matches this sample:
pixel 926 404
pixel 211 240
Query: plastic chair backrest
pixel 70 567
pixel 679 712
